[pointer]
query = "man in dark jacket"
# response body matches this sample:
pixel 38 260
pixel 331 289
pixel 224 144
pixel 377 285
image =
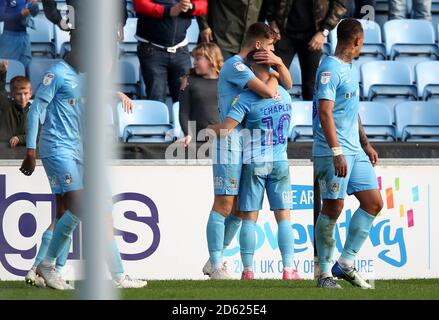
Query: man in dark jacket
pixel 226 23
pixel 163 48
pixel 303 26
pixel 13 109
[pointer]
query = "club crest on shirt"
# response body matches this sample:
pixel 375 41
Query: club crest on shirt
pixel 325 77
pixel 335 187
pixel 233 184
pixel 48 78
pixel 68 178
pixel 239 66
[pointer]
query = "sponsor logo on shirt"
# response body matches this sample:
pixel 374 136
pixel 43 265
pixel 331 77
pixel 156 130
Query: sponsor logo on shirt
pixel 325 77
pixel 239 66
pixel 48 78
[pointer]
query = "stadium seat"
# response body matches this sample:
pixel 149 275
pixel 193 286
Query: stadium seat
pixel 60 37
pixel 377 121
pixel 192 34
pixel 417 121
pixel 427 80
pixel 129 44
pixel 128 75
pixel 15 68
pixel 41 38
pixel 38 68
pixel 149 122
pixel 387 80
pixel 296 75
pixel 301 121
pixel 411 41
pixel 178 132
pixel 65 48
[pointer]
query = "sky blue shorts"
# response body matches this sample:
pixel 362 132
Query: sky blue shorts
pixel 258 177
pixel 227 167
pixel 65 173
pixel 360 176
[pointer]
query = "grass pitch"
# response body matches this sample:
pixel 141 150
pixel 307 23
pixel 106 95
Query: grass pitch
pixel 417 289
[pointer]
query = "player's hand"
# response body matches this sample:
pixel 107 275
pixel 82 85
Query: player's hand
pixel 371 153
pixel 14 141
pixel 267 57
pixel 206 35
pixel 127 103
pixel 29 163
pixel 4 65
pixel 186 140
pixel 340 166
pixel 274 26
pixel 316 43
pixel 25 12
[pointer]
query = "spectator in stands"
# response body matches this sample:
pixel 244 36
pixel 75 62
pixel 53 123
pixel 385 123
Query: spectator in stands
pixel 163 47
pixel 303 26
pixel 13 109
pixel 15 42
pixel 198 94
pixel 226 23
pixel 421 9
pixel 74 23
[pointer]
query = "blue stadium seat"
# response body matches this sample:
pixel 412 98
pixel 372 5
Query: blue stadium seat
pixel 411 41
pixel 60 37
pixel 129 44
pixel 427 80
pixel 301 121
pixel 15 68
pixel 192 34
pixel 178 132
pixel 377 121
pixel 296 75
pixel 387 80
pixel 417 121
pixel 128 75
pixel 149 122
pixel 41 38
pixel 38 68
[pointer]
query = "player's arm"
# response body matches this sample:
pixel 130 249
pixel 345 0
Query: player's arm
pixel 44 96
pixel 326 109
pixel 33 117
pixel 225 128
pixel 268 57
pixel 264 89
pixel 367 147
pixel 241 75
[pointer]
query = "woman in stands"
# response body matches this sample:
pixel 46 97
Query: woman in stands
pixel 198 92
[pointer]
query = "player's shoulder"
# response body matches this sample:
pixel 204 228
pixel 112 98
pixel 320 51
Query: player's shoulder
pixel 330 63
pixel 234 64
pixel 55 73
pixel 285 96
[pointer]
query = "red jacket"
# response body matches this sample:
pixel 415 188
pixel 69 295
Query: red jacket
pixel 156 25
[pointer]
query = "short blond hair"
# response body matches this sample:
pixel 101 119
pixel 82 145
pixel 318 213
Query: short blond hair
pixel 211 52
